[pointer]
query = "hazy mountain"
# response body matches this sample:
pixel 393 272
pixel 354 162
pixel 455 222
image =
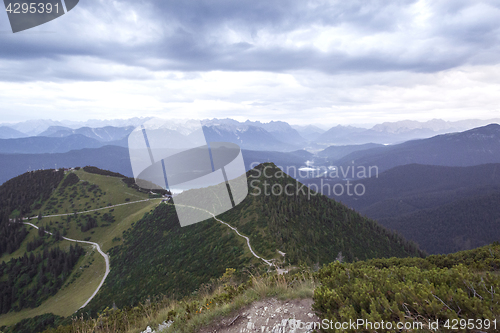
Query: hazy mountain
pixel 57 131
pixel 117 159
pixel 340 135
pixel 103 134
pixel 460 225
pixel 247 137
pixel 10 133
pixel 444 209
pixel 397 132
pixel 280 130
pixel 437 126
pixel 41 144
pixel 309 132
pixel 37 126
pixel 407 188
pixel 473 147
pixel 108 157
pixel 34 127
pixel 334 153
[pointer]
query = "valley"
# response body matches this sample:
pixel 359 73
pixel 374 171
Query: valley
pixel 136 251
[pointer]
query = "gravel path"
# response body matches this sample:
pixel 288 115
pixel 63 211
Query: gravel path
pixel 233 228
pixel 93 210
pixel 106 257
pixel 95 245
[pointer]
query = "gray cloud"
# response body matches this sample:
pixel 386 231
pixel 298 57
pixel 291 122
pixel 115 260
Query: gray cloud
pixel 227 35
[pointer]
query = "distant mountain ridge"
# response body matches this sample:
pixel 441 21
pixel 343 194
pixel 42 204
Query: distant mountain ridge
pixel 108 157
pixel 248 137
pixel 334 153
pixel 117 159
pixel 473 147
pixel 397 132
pixel 444 209
pixel 463 224
pixel 34 145
pixel 37 126
pixel 297 136
pixel 103 134
pixel 10 133
pixel 280 130
pixel 309 132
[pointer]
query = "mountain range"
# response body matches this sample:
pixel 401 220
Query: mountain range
pixel 103 134
pixel 151 254
pixel 10 133
pixel 473 147
pixel 447 205
pixel 289 137
pixel 396 132
pixel 443 209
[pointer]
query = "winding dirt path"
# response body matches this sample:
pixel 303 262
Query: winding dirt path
pixel 106 257
pixel 95 245
pixel 93 210
pixel 248 241
pixel 268 262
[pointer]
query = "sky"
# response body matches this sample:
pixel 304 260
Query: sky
pixel 302 61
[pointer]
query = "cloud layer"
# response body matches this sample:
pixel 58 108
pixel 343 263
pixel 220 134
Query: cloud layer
pixel 347 60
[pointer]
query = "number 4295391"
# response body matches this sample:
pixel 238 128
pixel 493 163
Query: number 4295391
pixel 32 8
pixel 471 324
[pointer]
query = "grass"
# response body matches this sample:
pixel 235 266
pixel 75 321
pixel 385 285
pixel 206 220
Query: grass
pixel 89 270
pixel 22 249
pixel 84 196
pixel 69 299
pixel 222 298
pixel 103 235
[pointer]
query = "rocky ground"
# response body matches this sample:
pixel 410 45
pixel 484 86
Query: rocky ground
pixel 269 316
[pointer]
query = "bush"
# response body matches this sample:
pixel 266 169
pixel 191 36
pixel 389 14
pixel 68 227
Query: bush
pixel 412 290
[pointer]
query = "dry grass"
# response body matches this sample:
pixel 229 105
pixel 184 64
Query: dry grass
pixel 221 299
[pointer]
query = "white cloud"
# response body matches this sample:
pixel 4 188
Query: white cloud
pixel 309 61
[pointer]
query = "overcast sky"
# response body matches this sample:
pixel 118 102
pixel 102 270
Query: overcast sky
pixel 327 62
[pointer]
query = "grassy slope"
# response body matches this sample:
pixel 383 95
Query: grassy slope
pixel 226 302
pixel 71 297
pixel 160 257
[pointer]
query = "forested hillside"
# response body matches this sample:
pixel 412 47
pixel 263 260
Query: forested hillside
pixel 307 226
pixel 19 197
pixel 443 209
pixel 27 281
pixel 159 257
pixel 461 225
pixel 38 273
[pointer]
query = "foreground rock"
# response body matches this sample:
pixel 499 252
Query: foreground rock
pixel 269 316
